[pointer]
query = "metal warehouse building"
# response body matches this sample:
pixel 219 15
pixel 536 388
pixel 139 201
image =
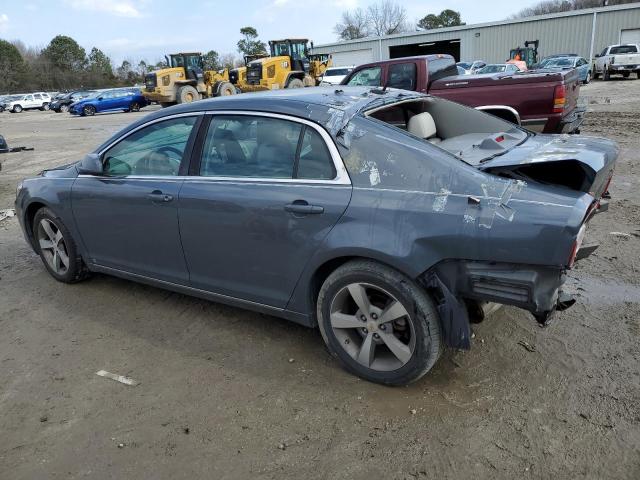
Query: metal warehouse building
pixel 584 32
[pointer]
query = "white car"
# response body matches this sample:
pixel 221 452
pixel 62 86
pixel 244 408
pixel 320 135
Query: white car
pixel 471 67
pixel 617 60
pixel 335 75
pixel 31 101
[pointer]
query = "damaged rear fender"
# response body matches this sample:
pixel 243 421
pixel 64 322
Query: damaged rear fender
pixel 535 288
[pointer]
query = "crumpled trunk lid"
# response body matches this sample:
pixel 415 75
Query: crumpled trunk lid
pixel 579 163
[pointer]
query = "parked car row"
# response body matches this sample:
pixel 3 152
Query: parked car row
pixel 80 102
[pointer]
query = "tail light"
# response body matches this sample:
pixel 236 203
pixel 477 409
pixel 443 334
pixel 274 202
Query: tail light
pixel 559 99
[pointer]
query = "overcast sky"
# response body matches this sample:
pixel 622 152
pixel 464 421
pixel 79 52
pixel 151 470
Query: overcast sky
pixel 148 29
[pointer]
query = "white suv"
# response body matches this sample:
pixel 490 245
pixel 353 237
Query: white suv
pixel 39 100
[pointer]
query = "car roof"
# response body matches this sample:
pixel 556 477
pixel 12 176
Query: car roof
pixel 331 107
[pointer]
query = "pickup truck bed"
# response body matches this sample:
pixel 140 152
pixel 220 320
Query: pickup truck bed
pixel 530 94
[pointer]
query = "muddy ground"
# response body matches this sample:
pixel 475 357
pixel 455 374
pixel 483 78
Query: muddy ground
pixel 226 393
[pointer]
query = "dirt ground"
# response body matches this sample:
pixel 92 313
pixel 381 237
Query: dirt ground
pixel 229 394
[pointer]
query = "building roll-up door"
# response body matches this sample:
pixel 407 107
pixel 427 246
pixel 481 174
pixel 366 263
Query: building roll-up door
pixel 352 57
pixel 630 36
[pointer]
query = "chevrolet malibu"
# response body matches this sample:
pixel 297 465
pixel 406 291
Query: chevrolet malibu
pixel 390 220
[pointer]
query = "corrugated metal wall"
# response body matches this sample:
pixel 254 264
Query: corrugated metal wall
pixel 492 43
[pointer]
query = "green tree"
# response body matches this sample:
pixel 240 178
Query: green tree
pixel 212 60
pixel 100 63
pixel 12 67
pixel 65 53
pixel 446 18
pixel 250 45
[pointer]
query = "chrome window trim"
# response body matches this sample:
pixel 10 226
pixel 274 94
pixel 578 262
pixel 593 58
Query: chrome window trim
pixel 342 176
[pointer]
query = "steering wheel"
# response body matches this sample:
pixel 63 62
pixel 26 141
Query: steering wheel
pixel 170 149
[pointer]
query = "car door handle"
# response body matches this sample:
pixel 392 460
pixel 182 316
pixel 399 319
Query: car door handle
pixel 301 207
pixel 158 196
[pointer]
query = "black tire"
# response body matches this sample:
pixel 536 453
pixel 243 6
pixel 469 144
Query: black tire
pixel 295 83
pixel 225 89
pixel 423 318
pixel 63 109
pixel 188 94
pixel 606 76
pixel 76 270
pixel 596 75
pixel 135 107
pixel 45 107
pixel 16 109
pixel 88 111
pixel 626 74
pixel 588 79
pixel 638 75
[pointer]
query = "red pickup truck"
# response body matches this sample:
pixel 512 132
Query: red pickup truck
pixel 539 101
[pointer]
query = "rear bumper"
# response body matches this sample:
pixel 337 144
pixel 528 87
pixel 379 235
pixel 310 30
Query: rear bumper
pixel 571 123
pixel 623 68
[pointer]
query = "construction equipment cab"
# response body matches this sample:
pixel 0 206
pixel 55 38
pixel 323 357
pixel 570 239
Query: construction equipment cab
pixel 527 54
pixel 287 67
pixel 185 80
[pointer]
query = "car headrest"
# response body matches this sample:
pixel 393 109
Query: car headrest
pixel 422 125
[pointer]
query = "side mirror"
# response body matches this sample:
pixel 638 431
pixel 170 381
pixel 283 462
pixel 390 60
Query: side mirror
pixel 597 55
pixel 91 165
pixel 100 99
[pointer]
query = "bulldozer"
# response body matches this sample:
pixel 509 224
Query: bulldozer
pixel 289 66
pixel 185 80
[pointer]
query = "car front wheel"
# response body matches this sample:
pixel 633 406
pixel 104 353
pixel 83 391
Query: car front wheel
pixel 379 323
pixel 587 78
pixel 89 110
pixel 57 248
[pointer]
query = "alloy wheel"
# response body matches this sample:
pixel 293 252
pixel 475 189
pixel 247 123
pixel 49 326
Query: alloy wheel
pixel 53 246
pixel 373 327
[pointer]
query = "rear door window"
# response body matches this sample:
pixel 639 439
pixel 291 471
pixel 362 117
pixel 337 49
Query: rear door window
pixel 403 75
pixel 369 77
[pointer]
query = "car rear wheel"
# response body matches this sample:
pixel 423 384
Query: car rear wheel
pixel 16 109
pixel 64 108
pixel 135 107
pixel 89 110
pixel 45 107
pixel 379 323
pixel 57 248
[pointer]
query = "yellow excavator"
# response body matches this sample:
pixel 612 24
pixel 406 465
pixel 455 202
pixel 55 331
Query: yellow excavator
pixel 289 66
pixel 185 80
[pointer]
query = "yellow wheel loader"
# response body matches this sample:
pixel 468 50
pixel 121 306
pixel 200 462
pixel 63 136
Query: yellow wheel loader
pixel 185 81
pixel 288 66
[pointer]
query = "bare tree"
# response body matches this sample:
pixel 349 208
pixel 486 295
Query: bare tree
pixel 387 18
pixel 382 18
pixel 353 25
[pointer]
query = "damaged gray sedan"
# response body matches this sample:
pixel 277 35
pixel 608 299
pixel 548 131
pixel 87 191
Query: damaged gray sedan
pixel 390 220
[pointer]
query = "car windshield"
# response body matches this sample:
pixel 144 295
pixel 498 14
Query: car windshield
pixel 623 49
pixel 493 69
pixel 560 62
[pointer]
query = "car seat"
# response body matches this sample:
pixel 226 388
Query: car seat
pixel 423 126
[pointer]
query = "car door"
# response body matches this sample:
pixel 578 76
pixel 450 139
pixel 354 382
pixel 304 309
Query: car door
pixel 266 191
pixel 402 75
pixel 29 102
pixel 128 217
pixel 105 102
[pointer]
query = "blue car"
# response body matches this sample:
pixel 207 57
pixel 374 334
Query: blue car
pixel 563 63
pixel 127 100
